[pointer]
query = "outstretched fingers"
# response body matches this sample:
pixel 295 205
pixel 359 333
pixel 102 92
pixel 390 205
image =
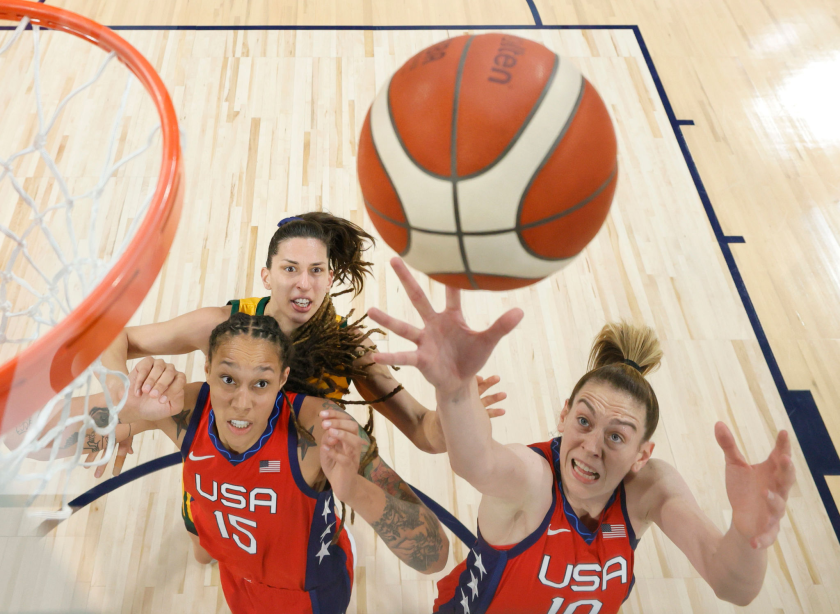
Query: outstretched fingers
pixel 415 293
pixel 453 298
pixel 396 359
pixel 504 324
pixel 398 327
pixel 726 441
pixel 785 474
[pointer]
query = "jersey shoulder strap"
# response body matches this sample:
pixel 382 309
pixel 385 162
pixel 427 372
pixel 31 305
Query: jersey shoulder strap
pixel 253 306
pixel 195 420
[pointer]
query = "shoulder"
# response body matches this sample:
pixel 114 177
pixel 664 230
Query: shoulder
pixel 533 455
pixel 649 489
pixel 191 394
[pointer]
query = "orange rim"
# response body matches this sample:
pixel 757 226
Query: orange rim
pixel 30 379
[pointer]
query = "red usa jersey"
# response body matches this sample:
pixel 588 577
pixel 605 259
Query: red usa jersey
pixel 561 568
pixel 267 528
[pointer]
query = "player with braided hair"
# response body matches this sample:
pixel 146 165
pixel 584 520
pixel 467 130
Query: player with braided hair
pixel 307 255
pixel 263 507
pixel 559 520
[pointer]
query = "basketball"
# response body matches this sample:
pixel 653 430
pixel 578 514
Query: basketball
pixel 487 162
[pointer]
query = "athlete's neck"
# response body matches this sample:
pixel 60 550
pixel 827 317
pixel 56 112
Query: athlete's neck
pixel 588 511
pixel 286 325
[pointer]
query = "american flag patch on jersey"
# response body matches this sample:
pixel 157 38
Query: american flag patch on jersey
pixel 269 466
pixel 611 531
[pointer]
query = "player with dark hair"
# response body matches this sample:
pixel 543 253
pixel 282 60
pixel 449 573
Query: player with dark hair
pixel 307 255
pixel 559 520
pixel 262 504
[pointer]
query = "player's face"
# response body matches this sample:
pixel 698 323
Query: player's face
pixel 245 376
pixel 603 431
pixel 299 280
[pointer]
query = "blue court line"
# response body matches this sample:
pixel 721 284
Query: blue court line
pixel 815 441
pixel 135 473
pixel 170 460
pixel 685 122
pixel 805 418
pixel 535 12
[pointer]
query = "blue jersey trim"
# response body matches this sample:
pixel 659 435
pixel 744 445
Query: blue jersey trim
pixel 313 599
pixel 327 578
pixel 630 532
pixel 235 459
pixel 496 561
pixel 630 588
pixel 490 591
pixel 198 410
pixel 293 446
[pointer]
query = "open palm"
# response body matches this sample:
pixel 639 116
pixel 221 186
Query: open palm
pixel 449 353
pixel 758 493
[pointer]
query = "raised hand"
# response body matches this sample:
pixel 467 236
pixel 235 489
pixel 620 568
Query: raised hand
pixel 449 353
pixel 758 493
pixel 341 451
pixel 147 401
pixel 157 378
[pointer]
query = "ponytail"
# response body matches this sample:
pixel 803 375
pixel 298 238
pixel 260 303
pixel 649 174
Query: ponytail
pixel 622 355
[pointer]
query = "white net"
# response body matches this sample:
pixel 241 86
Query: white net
pixel 82 174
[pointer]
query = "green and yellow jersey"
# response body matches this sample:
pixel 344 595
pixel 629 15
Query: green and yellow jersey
pixel 255 306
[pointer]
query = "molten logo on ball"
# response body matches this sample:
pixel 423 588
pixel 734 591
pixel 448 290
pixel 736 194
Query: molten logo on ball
pixel 488 162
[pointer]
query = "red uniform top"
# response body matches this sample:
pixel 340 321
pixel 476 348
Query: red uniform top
pixel 560 568
pixel 267 528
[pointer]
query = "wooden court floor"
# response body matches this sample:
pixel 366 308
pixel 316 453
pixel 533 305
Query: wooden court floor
pixel 272 118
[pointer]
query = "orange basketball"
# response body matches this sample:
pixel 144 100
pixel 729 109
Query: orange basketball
pixel 487 162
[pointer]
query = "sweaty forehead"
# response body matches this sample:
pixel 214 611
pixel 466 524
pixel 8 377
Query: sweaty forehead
pixel 303 250
pixel 606 400
pixel 247 352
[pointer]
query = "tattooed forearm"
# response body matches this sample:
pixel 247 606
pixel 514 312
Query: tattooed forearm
pixel 406 526
pixel 411 531
pixel 304 444
pixel 388 480
pixel 182 421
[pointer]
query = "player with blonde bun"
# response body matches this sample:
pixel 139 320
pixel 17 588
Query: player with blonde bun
pixel 559 520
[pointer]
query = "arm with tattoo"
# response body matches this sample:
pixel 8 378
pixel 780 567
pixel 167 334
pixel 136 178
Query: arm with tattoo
pixel 378 494
pixel 407 527
pixel 68 440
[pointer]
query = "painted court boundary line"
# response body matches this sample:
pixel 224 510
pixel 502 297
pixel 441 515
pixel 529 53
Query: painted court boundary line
pixel 801 408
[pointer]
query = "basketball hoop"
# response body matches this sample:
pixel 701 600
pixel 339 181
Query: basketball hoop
pixel 54 360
